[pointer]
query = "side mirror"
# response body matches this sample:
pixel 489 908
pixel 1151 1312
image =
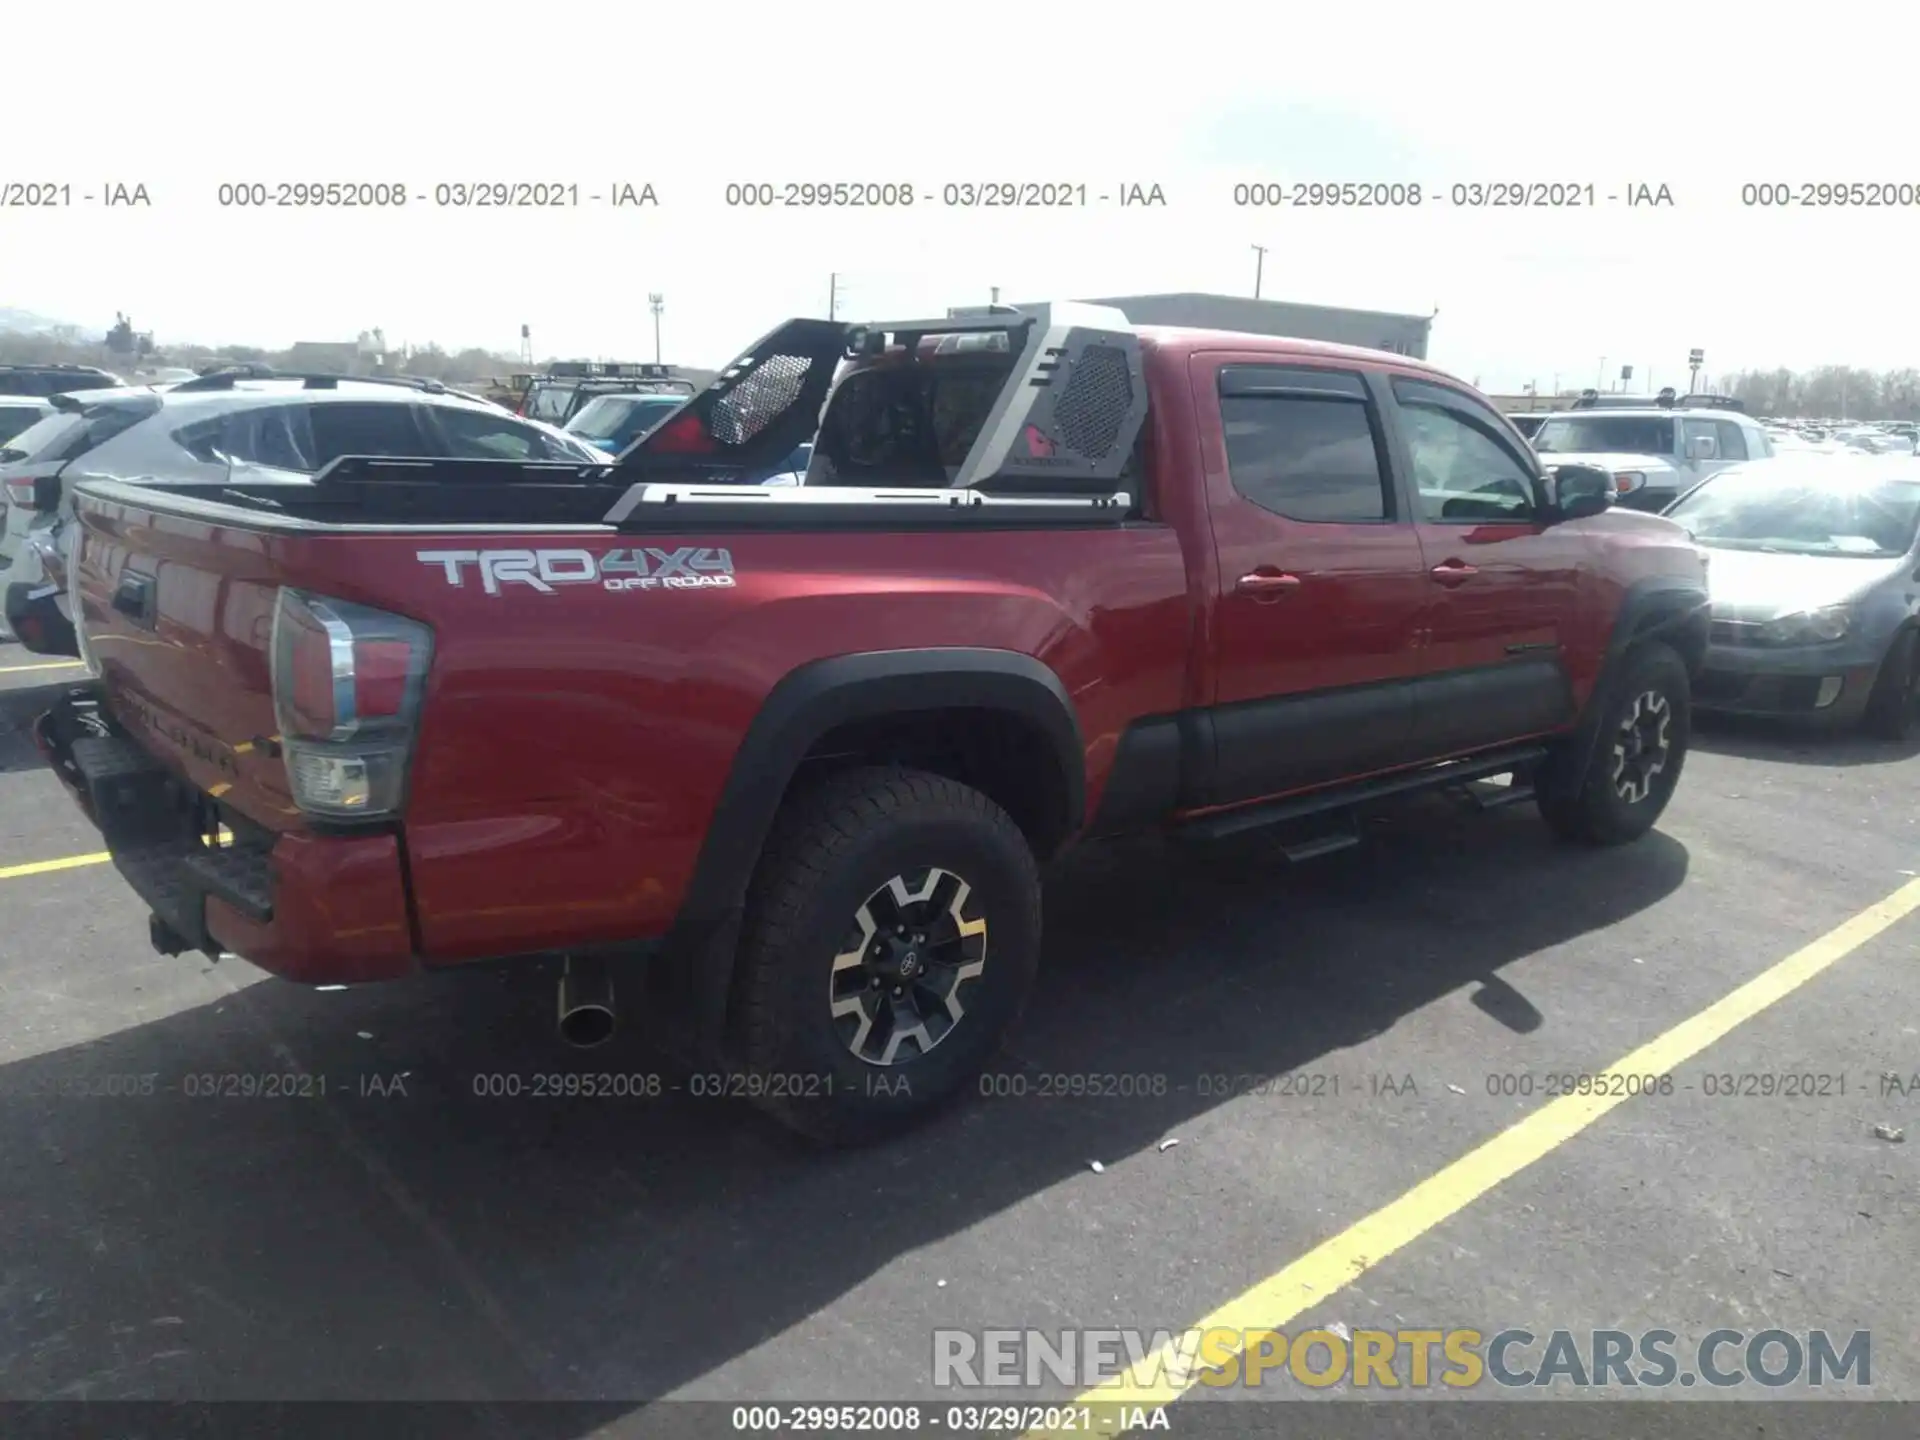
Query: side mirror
pixel 1702 447
pixel 1581 491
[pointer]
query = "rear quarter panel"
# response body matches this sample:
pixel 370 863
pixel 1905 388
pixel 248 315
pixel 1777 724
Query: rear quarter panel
pixel 574 744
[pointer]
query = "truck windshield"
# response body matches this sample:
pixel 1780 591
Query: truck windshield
pixel 1606 434
pixel 549 402
pixel 1791 510
pixel 606 417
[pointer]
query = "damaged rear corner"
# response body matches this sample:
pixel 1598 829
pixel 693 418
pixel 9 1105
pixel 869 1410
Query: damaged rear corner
pixel 174 846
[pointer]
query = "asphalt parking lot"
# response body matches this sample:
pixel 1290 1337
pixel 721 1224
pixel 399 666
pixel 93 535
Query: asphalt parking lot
pixel 401 1237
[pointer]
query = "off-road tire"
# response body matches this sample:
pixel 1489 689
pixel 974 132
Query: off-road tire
pixel 835 847
pixel 1605 803
pixel 1890 712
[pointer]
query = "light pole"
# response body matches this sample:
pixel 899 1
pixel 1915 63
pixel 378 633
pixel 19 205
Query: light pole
pixel 1259 267
pixel 656 302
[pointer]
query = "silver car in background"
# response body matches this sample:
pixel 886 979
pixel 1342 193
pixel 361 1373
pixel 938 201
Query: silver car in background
pixel 1814 572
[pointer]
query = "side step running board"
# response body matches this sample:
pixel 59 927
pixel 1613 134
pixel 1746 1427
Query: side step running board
pixel 1518 758
pixel 1497 797
pixel 1321 845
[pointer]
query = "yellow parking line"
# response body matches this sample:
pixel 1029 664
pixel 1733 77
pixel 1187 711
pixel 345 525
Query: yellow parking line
pixel 43 867
pixel 47 665
pixel 1333 1265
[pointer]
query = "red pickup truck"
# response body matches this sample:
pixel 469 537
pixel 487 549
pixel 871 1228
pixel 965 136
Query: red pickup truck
pixel 804 751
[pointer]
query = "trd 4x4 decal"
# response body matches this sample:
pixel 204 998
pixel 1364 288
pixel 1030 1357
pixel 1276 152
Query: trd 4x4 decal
pixel 688 568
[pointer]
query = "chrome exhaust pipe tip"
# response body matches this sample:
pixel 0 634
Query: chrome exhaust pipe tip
pixel 587 1016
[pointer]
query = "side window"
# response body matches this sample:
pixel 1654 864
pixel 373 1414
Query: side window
pixel 1304 444
pixel 1465 463
pixel 351 428
pixel 1463 474
pixel 15 418
pixel 1733 442
pixel 476 435
pixel 1693 429
pixel 275 435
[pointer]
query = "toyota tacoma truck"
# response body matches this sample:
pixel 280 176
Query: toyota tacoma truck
pixel 789 762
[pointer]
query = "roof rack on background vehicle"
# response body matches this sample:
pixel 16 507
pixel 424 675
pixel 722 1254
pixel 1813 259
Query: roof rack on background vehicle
pixel 607 370
pixel 311 380
pixel 1666 400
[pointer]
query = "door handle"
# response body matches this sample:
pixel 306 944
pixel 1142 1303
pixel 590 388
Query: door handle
pixel 1266 584
pixel 1454 572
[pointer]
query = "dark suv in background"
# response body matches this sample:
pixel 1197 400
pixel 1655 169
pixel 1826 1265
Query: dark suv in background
pixel 55 379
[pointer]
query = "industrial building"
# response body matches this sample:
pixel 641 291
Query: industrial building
pixel 1373 329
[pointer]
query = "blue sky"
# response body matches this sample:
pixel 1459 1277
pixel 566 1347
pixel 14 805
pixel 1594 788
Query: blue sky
pixel 1194 101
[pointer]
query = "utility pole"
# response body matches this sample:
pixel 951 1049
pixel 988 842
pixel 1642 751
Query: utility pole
pixel 833 296
pixel 1259 267
pixel 656 302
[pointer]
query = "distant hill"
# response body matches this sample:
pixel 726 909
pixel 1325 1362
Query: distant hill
pixel 26 322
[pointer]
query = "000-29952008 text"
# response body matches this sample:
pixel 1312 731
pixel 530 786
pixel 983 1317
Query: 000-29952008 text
pixel 1328 194
pixel 568 1085
pixel 819 194
pixel 1830 195
pixel 311 195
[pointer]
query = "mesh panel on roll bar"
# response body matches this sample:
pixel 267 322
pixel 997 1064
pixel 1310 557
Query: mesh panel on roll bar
pixel 759 397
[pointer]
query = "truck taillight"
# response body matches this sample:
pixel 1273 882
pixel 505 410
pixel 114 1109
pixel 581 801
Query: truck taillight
pixel 683 435
pixel 20 492
pixel 347 688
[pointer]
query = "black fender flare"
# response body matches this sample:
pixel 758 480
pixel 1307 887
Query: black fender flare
pixel 808 703
pixel 1674 608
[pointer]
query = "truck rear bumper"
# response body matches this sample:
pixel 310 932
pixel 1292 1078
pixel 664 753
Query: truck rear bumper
pixel 315 909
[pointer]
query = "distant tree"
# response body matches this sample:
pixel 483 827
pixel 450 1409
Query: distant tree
pixel 1830 391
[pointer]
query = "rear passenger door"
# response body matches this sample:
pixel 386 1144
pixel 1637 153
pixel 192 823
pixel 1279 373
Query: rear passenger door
pixel 1320 582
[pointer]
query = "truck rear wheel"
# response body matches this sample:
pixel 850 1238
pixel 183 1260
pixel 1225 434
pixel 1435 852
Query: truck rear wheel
pixel 891 937
pixel 1636 759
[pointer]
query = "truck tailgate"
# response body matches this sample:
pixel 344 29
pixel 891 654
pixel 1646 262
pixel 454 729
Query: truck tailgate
pixel 177 616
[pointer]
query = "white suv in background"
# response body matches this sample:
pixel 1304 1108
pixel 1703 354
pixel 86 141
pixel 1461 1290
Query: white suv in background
pixel 217 429
pixel 1655 454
